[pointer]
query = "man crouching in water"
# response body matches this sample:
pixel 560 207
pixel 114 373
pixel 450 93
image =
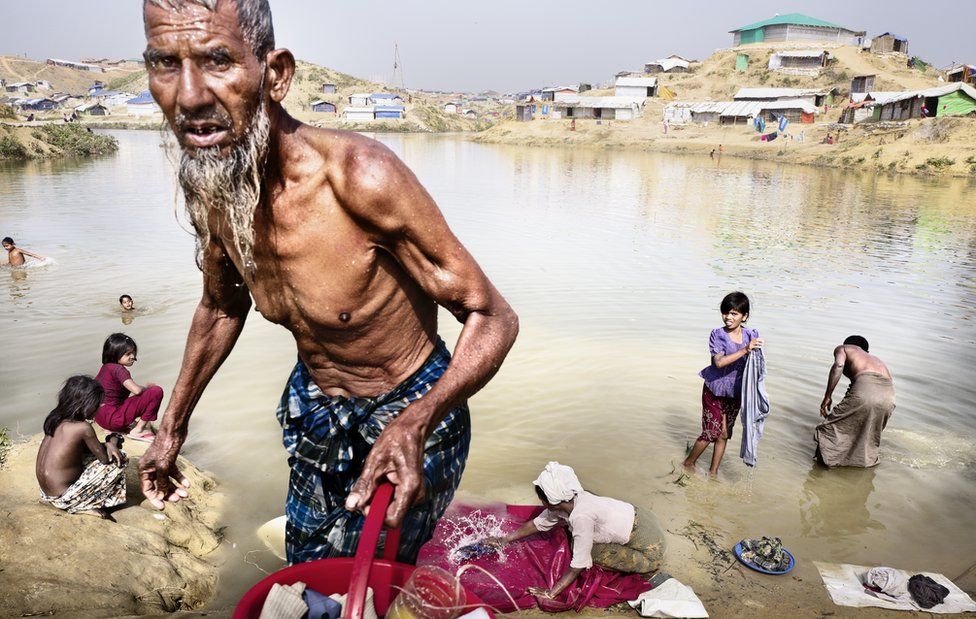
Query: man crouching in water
pixel 850 434
pixel 337 241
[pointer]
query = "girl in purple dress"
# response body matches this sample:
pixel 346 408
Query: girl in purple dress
pixel 728 347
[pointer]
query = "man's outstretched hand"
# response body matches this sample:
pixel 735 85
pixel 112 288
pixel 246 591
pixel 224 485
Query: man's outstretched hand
pixel 161 479
pixel 398 457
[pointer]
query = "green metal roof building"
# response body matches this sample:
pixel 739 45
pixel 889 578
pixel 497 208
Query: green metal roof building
pixel 795 27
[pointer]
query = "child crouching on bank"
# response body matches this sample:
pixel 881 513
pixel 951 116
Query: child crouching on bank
pixel 77 472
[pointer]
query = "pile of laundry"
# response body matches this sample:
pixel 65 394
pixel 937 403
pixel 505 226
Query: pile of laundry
pixel 298 601
pixel 891 584
pixel 765 552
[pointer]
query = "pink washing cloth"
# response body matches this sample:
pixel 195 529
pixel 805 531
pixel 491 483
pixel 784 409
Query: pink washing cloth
pixel 536 561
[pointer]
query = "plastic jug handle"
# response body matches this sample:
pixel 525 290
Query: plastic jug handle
pixel 366 551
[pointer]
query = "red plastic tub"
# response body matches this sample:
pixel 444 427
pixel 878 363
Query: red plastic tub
pixel 354 575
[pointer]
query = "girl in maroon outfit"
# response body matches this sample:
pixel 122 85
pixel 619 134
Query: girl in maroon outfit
pixel 119 409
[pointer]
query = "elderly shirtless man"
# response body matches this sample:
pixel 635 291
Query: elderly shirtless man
pixel 336 240
pixel 850 434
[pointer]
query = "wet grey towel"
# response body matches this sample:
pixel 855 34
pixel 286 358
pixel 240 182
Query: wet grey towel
pixel 755 405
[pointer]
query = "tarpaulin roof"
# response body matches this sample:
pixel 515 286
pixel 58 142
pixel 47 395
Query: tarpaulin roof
pixel 615 102
pixel 938 91
pixel 702 107
pixel 776 93
pixel 142 98
pixel 803 53
pixel 636 81
pixel 897 37
pixel 667 64
pixel 790 18
pixel 753 108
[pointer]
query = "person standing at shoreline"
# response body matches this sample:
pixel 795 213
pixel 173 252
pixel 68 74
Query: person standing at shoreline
pixel 728 345
pixel 850 434
pixel 335 239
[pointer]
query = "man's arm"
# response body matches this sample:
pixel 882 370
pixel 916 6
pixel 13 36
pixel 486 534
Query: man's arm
pixel 836 370
pixel 217 323
pixel 389 201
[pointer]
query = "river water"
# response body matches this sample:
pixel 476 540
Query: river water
pixel 616 263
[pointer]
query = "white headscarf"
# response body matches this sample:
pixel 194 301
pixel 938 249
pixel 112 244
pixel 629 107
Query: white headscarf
pixel 559 483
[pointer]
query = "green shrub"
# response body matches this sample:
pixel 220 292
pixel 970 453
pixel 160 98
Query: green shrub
pixel 11 148
pixel 74 139
pixel 971 159
pixel 940 162
pixel 7 111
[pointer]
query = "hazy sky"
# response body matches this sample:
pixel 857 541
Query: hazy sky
pixel 501 45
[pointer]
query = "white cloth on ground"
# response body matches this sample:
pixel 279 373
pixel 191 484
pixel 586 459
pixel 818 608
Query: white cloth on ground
pixel 893 584
pixel 670 599
pixel 755 405
pixel 284 602
pixel 559 482
pixel 845 585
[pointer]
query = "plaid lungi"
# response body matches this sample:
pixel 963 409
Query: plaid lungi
pixel 100 485
pixel 328 438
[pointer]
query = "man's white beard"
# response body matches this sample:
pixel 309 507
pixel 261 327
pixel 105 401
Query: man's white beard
pixel 229 184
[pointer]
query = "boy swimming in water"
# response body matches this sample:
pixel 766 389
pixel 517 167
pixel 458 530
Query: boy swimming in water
pixel 15 255
pixel 126 302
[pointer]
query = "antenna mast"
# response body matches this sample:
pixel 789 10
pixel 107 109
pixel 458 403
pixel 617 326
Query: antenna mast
pixel 397 79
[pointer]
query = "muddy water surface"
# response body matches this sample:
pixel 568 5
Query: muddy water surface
pixel 616 263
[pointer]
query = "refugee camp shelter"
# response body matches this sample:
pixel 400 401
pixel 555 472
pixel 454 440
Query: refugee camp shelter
pixel 359 99
pixel 806 62
pixel 816 97
pixel 557 93
pixel 142 105
pixel 358 113
pixel 862 84
pixel 965 73
pixel 78 66
pixel 38 104
pixel 470 114
pixel 743 112
pixel 795 27
pixel 533 109
pixel 617 107
pixel 699 112
pixel 671 64
pixel 92 109
pixel 23 88
pixel 957 99
pixel 44 84
pixel 451 108
pixel 640 87
pixel 328 89
pixel 385 98
pixel 323 107
pixel 389 111
pixel 889 42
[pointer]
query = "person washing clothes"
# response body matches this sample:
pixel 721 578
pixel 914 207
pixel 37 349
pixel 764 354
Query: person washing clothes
pixel 728 345
pixel 605 532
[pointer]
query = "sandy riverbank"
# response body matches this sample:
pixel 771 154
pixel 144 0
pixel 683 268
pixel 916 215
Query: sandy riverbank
pixel 147 563
pixel 945 146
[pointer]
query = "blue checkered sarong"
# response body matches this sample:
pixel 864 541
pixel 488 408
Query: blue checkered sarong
pixel 328 438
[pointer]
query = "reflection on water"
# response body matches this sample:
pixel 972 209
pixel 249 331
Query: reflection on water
pixel 835 503
pixel 616 263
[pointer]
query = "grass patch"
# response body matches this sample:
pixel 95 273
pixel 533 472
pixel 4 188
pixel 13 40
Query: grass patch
pixel 73 139
pixel 971 159
pixel 877 154
pixel 7 111
pixel 11 148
